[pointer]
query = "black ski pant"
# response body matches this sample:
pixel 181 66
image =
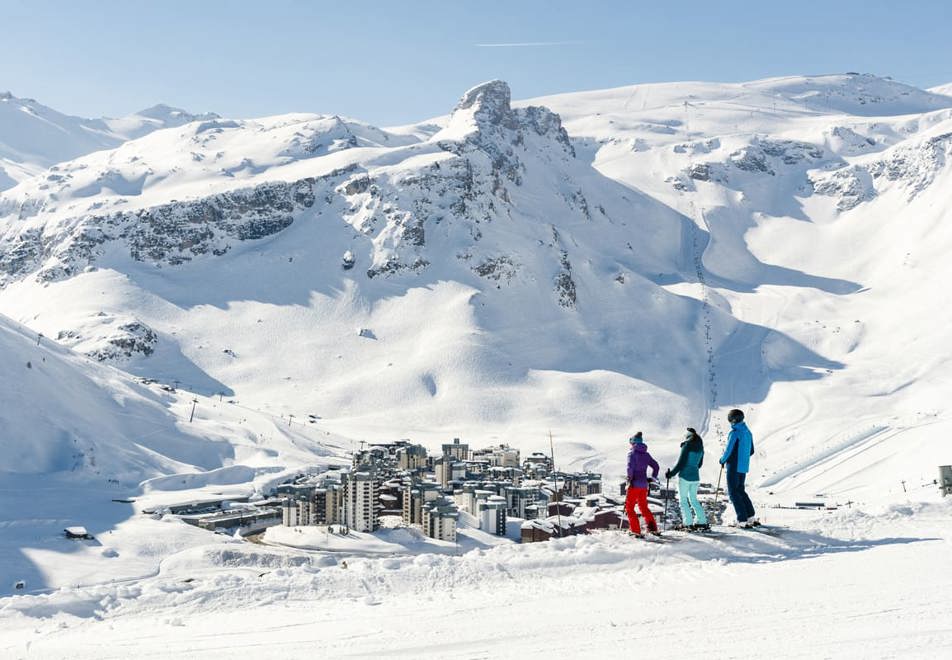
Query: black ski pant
pixel 736 490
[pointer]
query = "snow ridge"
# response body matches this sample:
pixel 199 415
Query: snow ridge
pixel 33 136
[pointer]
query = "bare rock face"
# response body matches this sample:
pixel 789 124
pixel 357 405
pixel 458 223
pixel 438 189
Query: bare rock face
pixel 134 338
pixel 565 288
pixel 465 193
pixel 915 166
pixel 490 103
pixel 766 156
pixel 168 234
pixel 850 186
pixel 497 269
pixel 108 339
pixel 490 106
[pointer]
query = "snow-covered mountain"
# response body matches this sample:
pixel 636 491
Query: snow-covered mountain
pixel 492 213
pixel 82 441
pixel 945 90
pixel 64 413
pixel 588 262
pixel 33 136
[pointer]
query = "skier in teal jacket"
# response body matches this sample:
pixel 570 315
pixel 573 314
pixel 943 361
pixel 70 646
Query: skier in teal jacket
pixel 688 467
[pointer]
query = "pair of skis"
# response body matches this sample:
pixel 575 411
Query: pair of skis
pixel 767 530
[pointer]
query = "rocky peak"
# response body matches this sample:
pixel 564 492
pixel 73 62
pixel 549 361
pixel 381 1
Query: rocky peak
pixel 488 103
pixel 487 109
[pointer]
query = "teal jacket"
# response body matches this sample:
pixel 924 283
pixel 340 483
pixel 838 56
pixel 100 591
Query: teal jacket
pixel 690 460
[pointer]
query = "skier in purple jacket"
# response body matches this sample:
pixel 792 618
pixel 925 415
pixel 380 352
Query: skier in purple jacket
pixel 639 460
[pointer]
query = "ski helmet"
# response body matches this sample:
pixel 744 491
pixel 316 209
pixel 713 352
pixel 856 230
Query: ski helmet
pixel 735 416
pixel 636 439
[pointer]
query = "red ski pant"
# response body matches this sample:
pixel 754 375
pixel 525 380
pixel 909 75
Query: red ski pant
pixel 638 496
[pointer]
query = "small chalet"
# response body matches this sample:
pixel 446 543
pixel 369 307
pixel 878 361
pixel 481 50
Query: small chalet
pixel 78 532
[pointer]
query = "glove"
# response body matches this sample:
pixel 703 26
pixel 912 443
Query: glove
pixel 721 461
pixel 667 474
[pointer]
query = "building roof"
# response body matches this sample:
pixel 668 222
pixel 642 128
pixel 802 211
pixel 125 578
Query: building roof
pixel 538 523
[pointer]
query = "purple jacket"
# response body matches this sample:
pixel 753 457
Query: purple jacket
pixel 638 462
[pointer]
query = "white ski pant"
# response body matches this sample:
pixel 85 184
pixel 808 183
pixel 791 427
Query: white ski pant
pixel 691 510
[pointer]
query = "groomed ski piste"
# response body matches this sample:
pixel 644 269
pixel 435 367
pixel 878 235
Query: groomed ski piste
pixel 838 355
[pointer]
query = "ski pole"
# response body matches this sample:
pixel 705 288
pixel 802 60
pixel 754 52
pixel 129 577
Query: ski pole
pixel 667 494
pixel 717 491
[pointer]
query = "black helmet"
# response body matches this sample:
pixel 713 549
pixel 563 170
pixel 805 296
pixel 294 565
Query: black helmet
pixel 735 416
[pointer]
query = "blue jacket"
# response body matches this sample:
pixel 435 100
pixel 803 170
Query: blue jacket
pixel 740 447
pixel 690 460
pixel 639 460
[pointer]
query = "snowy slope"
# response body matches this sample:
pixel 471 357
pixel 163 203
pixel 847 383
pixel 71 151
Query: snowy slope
pixel 945 90
pixel 851 587
pixel 64 413
pixel 33 136
pixel 83 441
pixel 818 224
pixel 642 257
pixel 493 213
pixel 590 263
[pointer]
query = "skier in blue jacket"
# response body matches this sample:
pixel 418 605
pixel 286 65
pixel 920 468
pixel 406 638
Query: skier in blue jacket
pixel 688 467
pixel 740 447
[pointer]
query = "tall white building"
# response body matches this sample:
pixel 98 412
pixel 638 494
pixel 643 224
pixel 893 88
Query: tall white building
pixel 523 501
pixel 456 450
pixel 492 515
pixel 537 465
pixel 448 469
pixel 511 474
pixel 415 497
pixel 439 519
pixel 291 513
pixel 327 504
pixel 321 507
pixel 411 457
pixel 499 456
pixel 360 502
pixel 470 497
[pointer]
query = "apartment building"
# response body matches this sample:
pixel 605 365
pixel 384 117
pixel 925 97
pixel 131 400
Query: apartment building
pixel 360 506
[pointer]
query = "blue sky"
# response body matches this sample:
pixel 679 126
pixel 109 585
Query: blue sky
pixel 397 62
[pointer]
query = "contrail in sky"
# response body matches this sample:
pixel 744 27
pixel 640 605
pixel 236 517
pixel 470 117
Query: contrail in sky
pixel 530 44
